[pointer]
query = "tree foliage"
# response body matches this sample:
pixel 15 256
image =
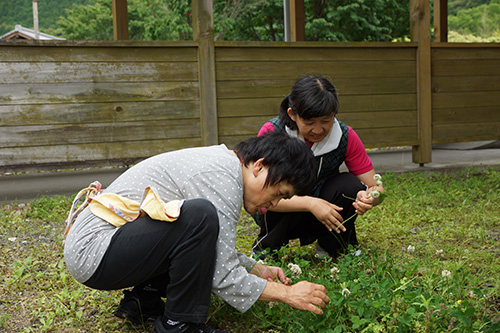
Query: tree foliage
pixel 482 21
pixel 326 20
pixel 357 20
pixel 21 12
pixel 147 19
pixel 251 20
pixel 454 6
pixel 245 20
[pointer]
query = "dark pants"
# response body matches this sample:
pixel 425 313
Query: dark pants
pixel 278 228
pixel 175 258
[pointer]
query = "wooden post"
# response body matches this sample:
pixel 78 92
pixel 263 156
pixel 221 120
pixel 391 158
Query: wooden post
pixel 203 33
pixel 35 20
pixel 120 20
pixel 297 21
pixel 420 32
pixel 440 20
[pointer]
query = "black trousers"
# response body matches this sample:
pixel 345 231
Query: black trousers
pixel 175 258
pixel 278 228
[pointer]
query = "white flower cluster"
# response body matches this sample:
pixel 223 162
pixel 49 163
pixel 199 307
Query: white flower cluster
pixel 334 271
pixel 410 248
pixel 445 273
pixel 346 292
pixel 272 304
pixel 295 269
pixel 378 181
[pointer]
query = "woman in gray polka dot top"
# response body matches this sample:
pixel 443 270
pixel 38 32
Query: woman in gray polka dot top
pixel 188 259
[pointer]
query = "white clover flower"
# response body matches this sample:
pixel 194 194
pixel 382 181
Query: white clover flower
pixel 334 270
pixel 375 194
pixel 378 182
pixel 410 248
pixel 295 269
pixel 377 177
pixel 272 304
pixel 346 292
pixel 472 294
pixel 439 251
pixel 445 273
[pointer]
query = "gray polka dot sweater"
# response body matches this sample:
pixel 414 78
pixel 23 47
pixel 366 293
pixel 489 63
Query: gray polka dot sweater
pixel 213 173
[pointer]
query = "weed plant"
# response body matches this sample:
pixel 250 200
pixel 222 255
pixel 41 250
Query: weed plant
pixel 428 262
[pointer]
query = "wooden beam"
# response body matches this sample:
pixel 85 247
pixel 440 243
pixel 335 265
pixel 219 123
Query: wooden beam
pixel 35 20
pixel 120 20
pixel 440 20
pixel 203 33
pixel 297 21
pixel 420 33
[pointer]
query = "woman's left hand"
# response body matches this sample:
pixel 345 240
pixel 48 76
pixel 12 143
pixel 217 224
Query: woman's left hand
pixel 271 273
pixel 364 202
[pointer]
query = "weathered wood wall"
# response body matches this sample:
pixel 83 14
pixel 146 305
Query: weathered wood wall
pixel 75 103
pixel 376 85
pixel 79 103
pixel 465 92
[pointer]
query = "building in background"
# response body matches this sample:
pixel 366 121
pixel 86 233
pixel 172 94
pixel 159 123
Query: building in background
pixel 21 32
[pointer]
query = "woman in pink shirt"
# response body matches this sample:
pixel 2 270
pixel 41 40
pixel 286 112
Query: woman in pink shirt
pixel 328 213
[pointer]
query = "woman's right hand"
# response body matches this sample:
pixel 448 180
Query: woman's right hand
pixel 307 296
pixel 327 213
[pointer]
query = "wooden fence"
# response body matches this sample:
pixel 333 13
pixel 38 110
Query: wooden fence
pixel 68 103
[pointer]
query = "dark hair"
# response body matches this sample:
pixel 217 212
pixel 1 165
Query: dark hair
pixel 311 97
pixel 287 159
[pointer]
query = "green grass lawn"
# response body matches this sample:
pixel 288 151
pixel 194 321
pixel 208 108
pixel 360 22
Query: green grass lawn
pixel 429 262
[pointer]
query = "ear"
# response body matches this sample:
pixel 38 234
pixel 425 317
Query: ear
pixel 257 167
pixel 291 114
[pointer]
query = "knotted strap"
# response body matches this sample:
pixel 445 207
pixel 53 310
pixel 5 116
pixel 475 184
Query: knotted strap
pixel 86 194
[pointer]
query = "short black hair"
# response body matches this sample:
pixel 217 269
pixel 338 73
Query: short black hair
pixel 287 159
pixel 311 97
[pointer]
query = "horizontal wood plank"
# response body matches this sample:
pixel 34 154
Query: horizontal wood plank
pixel 106 54
pixel 465 99
pixel 348 86
pixel 313 45
pixel 292 70
pixel 58 114
pixel 388 137
pixel 242 107
pixel 350 103
pixel 445 133
pixel 81 154
pixel 468 115
pixel 467 67
pixel 81 72
pixel 380 119
pixel 466 83
pixel 97 92
pixel 97 133
pixel 332 54
pixel 447 51
pixel 251 125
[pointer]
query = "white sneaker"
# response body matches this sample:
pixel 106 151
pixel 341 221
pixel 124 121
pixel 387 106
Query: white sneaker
pixel 357 253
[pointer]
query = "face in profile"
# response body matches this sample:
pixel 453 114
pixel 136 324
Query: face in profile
pixel 258 198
